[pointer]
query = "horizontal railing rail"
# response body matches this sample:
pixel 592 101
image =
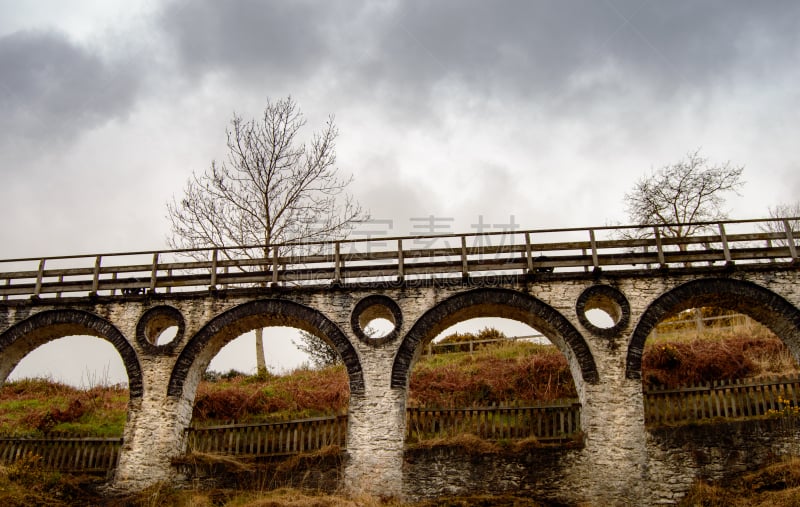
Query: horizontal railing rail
pixel 472 345
pixel 730 399
pixel 534 252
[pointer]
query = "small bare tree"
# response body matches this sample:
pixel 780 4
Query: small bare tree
pixel 319 352
pixel 688 191
pixel 273 189
pixel 788 212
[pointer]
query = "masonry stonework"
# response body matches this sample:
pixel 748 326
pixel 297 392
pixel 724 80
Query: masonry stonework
pixel 619 463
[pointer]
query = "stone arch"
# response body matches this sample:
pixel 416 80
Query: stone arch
pixel 763 305
pixel 495 302
pixel 202 347
pixel 22 338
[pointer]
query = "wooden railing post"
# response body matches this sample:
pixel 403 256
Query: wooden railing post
pixel 400 261
pixel 96 275
pixel 38 288
pixel 790 239
pixel 7 284
pixel 337 263
pixel 154 273
pixel 595 262
pixel 213 284
pixel 464 266
pixel 659 248
pixel 529 252
pixel 724 239
pixel 274 266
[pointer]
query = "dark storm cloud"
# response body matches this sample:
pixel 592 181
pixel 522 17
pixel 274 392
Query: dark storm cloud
pixel 51 89
pixel 533 46
pixel 403 52
pixel 246 37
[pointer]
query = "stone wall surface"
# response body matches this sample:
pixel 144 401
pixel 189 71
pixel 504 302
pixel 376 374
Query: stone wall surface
pixel 619 464
pixel 675 458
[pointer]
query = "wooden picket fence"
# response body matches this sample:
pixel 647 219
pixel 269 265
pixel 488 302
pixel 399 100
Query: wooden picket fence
pixel 271 439
pixel 66 454
pixel 554 421
pixel 742 398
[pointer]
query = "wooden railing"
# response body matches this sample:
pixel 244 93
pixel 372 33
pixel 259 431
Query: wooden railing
pixel 472 345
pixel 555 421
pixel 270 439
pixel 535 252
pixel 723 399
pixel 66 454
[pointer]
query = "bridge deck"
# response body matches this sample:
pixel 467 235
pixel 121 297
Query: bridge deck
pixel 400 258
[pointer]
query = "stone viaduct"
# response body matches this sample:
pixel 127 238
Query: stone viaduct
pixel 422 290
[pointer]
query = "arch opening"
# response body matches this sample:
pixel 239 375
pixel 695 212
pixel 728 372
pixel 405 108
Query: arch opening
pixel 490 362
pixel 557 338
pixel 44 327
pixel 713 350
pixel 261 398
pixel 75 367
pixel 303 377
pixel 714 297
pixel 502 303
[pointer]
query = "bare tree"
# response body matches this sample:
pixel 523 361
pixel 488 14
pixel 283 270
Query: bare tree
pixel 273 189
pixel 788 212
pixel 319 352
pixel 688 191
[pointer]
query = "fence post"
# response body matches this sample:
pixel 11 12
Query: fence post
pixel 725 248
pixel 698 320
pixel 529 252
pixel 39 276
pixel 213 284
pixel 400 261
pixel 595 262
pixel 96 276
pixel 790 239
pixel 154 273
pixel 659 248
pixel 464 267
pixel 274 266
pixel 337 263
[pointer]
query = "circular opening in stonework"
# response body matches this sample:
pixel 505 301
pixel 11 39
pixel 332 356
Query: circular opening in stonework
pixel 600 318
pixel 378 328
pixel 160 328
pixel 167 335
pixel 376 319
pixel 603 310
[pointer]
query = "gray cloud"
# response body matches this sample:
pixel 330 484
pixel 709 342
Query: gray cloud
pixel 51 89
pixel 248 38
pixel 407 54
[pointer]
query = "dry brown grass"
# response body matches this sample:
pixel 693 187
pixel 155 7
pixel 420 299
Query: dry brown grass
pixel 496 374
pixel 715 355
pixel 772 486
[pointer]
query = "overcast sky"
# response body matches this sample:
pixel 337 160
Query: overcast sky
pixel 546 111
